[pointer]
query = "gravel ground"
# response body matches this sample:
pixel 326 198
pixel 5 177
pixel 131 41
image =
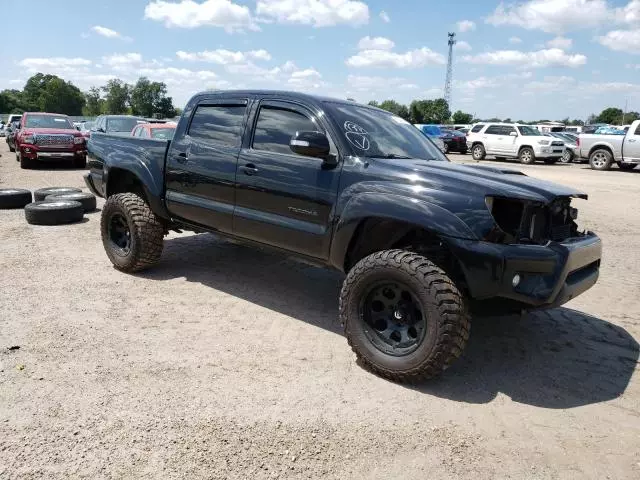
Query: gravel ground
pixel 227 362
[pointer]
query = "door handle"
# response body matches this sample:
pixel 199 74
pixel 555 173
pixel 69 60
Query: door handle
pixel 631 140
pixel 249 169
pixel 182 157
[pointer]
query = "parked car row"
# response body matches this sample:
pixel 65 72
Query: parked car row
pixel 447 139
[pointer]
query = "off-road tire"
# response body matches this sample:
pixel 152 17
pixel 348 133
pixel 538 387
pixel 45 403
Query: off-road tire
pixel 146 233
pixel 53 213
pixel 600 160
pixel 14 197
pixel 526 159
pixel 447 325
pixel 43 193
pixel 478 152
pixel 88 200
pixel 627 167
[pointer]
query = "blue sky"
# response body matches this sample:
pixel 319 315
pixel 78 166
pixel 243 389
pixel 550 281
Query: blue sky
pixel 525 60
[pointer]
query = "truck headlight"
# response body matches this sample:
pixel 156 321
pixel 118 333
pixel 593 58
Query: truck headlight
pixel 28 139
pixel 543 142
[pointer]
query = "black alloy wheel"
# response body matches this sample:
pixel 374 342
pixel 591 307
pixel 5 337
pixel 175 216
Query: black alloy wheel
pixel 119 234
pixel 395 318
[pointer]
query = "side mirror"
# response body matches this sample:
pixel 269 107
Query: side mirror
pixel 513 134
pixel 310 144
pixel 101 130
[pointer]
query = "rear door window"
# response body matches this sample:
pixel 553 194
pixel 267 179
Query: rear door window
pixel 477 128
pixel 221 124
pixel 494 130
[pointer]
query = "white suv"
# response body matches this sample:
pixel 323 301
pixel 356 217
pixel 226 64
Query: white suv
pixel 511 140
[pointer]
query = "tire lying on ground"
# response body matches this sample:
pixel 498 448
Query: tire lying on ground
pixel 42 193
pixel 53 213
pixel 88 200
pixel 14 197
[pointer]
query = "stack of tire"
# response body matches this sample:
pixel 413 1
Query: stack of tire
pixel 49 206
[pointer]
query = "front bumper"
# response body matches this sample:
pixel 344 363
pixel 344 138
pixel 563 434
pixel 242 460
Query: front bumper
pixel 32 152
pixel 550 275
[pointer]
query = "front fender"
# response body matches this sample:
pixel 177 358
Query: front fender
pixel 423 214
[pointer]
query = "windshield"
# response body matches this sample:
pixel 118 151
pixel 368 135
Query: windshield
pixel 122 124
pixel 163 133
pixel 47 121
pixel 373 133
pixel 529 131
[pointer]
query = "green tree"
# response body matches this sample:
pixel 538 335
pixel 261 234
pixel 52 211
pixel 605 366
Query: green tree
pixel 610 115
pixel 11 101
pixel 395 108
pixel 461 117
pixel 419 111
pixel 373 103
pixel 165 109
pixel 630 117
pixel 93 102
pixel 440 111
pixel 59 96
pixel 150 98
pixel 117 96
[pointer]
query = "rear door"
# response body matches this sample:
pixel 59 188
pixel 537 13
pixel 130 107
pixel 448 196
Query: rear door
pixel 284 199
pixel 508 141
pixel 631 145
pixel 490 138
pixel 201 163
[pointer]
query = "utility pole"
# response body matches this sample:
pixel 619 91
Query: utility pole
pixel 624 112
pixel 449 79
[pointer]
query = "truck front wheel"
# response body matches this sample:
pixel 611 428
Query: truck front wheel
pixel 403 316
pixel 131 233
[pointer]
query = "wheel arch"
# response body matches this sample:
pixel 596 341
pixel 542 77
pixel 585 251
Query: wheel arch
pixel 602 146
pixel 122 180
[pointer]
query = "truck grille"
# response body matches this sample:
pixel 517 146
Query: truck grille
pixel 53 139
pixel 557 144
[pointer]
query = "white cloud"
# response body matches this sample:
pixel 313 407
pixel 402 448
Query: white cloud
pixel 560 16
pixel 189 14
pixel 551 84
pixel 622 40
pixel 384 16
pixel 560 42
pixel 61 62
pixel 363 83
pixel 122 59
pixel 305 79
pixel 105 32
pixel 466 26
pixel 318 13
pixel 381 58
pixel 462 46
pixel 375 43
pixel 553 57
pixel 515 40
pixel 552 16
pixel 223 57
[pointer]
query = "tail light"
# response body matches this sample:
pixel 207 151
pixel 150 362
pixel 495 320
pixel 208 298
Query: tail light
pixel 578 142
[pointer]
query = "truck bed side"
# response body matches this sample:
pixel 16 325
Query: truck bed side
pixel 591 142
pixel 117 161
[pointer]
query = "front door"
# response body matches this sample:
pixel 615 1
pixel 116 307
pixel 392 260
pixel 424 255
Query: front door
pixel 631 145
pixel 201 164
pixel 284 199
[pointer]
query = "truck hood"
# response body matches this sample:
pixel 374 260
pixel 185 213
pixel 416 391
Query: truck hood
pixel 51 131
pixel 478 180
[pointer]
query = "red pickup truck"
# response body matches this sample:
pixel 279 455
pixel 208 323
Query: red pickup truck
pixel 49 137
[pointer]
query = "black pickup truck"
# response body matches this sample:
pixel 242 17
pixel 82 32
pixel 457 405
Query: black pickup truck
pixel 423 242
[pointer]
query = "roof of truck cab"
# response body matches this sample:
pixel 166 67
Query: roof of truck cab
pixel 287 94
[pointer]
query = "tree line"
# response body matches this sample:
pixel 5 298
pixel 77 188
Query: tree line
pixel 49 93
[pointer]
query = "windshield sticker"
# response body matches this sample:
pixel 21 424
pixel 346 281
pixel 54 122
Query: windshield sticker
pixel 356 135
pixel 354 128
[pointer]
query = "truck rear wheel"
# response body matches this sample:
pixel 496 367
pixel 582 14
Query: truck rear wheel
pixel 131 233
pixel 403 316
pixel 601 159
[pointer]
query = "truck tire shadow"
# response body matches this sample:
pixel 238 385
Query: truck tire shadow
pixel 559 358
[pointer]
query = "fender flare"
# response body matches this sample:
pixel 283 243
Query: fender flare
pixel 422 214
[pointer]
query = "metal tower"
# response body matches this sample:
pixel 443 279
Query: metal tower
pixel 448 80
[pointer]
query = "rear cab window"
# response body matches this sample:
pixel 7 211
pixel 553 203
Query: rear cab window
pixel 219 123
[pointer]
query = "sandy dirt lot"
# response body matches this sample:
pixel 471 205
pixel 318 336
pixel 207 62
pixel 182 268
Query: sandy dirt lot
pixel 228 362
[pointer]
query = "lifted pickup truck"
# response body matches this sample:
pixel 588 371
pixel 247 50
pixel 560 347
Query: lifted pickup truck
pixel 422 241
pixel 603 150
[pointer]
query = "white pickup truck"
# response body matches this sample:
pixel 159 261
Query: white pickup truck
pixel 603 150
